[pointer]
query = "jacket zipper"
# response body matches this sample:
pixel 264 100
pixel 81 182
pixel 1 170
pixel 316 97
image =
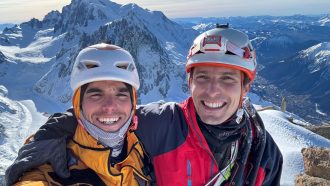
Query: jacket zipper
pixel 201 142
pixel 189 171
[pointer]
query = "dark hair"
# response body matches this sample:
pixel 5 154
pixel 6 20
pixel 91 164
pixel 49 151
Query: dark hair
pixel 246 80
pixel 130 89
pixel 82 92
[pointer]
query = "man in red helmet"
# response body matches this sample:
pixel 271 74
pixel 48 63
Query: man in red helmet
pixel 215 137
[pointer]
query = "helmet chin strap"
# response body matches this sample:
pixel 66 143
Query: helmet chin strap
pixel 240 112
pixel 248 86
pixel 134 123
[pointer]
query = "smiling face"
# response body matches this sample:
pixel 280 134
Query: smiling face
pixel 216 92
pixel 107 104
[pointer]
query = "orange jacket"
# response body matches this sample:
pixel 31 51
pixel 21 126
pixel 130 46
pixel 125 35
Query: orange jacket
pixel 91 165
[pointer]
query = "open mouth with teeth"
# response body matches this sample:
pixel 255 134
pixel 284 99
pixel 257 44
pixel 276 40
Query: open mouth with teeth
pixel 108 121
pixel 214 105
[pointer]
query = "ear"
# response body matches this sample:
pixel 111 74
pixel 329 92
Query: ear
pixel 246 89
pixel 189 83
pixel 134 123
pixel 189 79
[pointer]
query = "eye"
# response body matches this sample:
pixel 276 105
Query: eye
pixel 228 79
pixel 202 77
pixel 94 96
pixel 123 96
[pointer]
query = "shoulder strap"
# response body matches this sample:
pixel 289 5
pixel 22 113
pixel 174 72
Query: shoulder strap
pixel 257 123
pixel 259 139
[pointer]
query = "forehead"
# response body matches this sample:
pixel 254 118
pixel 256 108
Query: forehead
pixel 216 70
pixel 106 84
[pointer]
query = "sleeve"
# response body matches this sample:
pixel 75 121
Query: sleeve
pixel 58 125
pixel 272 161
pixel 161 127
pixel 34 177
pixel 37 153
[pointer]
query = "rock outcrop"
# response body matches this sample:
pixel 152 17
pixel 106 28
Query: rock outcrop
pixel 323 130
pixel 306 180
pixel 317 167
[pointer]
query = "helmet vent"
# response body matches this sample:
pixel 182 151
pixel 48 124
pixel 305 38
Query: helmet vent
pixel 83 65
pixel 126 66
pixel 91 66
pixel 122 66
pixel 222 25
pixel 229 53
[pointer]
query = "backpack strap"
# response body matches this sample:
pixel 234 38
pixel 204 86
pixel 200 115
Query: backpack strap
pixel 259 140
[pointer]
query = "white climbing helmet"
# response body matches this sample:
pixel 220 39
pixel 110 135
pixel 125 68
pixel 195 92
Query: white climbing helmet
pixel 225 47
pixel 104 62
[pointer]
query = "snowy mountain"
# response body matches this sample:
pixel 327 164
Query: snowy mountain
pixel 18 119
pixel 39 54
pixel 5 25
pixel 307 73
pixel 325 21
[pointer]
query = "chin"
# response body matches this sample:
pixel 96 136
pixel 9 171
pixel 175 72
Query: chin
pixel 213 121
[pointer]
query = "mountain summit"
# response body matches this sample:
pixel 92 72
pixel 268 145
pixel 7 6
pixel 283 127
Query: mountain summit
pixel 46 49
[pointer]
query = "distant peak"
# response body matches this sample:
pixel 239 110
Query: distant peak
pixel 319 47
pixel 324 20
pixel 95 2
pixel 318 51
pixel 131 6
pixel 2 56
pixel 52 15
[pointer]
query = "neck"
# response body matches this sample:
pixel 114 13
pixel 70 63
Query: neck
pixel 225 132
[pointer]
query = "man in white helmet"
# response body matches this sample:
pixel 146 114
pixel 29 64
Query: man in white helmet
pixel 215 137
pixel 103 149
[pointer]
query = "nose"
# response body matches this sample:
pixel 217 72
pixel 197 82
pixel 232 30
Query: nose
pixel 213 88
pixel 108 103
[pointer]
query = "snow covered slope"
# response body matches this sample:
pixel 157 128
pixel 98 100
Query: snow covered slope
pixel 18 120
pixel 291 139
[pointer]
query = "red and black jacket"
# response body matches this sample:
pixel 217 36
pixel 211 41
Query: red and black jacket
pixel 181 155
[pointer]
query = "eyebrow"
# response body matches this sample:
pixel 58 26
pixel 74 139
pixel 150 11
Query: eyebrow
pixel 222 73
pixel 229 73
pixel 123 89
pixel 93 90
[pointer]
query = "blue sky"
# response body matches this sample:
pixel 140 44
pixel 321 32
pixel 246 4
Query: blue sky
pixel 16 11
